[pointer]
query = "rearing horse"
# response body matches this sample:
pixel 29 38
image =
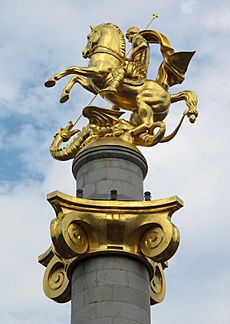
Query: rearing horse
pixel 149 100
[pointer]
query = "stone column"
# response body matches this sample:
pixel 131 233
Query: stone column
pixel 100 169
pixel 109 251
pixel 110 289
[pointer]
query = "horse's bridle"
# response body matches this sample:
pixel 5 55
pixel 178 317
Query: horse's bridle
pixel 103 49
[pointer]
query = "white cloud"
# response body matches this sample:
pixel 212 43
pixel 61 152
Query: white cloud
pixel 219 18
pixel 188 7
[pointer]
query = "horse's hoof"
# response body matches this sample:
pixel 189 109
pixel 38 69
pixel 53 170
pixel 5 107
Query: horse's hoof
pixel 50 83
pixel 64 98
pixel 192 118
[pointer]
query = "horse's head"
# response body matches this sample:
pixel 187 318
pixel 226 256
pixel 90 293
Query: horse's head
pixel 93 38
pixel 108 38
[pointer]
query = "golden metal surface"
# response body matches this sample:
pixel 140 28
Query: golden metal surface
pixel 123 82
pixel 138 229
pixel 82 228
pixel 108 141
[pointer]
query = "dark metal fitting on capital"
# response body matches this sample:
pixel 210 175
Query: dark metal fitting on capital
pixel 79 193
pixel 113 194
pixel 147 195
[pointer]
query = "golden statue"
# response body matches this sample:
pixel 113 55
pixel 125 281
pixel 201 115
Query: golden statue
pixel 123 82
pixel 84 227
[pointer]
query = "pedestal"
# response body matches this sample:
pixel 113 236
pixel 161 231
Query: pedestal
pixel 109 247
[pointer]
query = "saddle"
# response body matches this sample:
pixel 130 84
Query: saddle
pixel 134 82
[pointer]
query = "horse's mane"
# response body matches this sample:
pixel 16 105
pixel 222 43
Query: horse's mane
pixel 121 35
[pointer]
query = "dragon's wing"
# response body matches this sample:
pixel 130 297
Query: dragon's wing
pixel 101 116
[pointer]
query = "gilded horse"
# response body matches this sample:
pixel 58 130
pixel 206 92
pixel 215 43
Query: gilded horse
pixel 148 100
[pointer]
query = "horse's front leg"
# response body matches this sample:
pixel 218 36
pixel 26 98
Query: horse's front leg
pixel 76 79
pixel 86 72
pixel 52 81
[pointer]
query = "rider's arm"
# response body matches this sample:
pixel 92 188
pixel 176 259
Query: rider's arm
pixel 139 44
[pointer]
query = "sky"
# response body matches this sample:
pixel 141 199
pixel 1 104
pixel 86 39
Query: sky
pixel 40 38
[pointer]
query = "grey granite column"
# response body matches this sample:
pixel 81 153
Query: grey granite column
pixel 100 169
pixel 110 289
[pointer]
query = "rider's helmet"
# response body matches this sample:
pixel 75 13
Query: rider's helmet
pixel 132 31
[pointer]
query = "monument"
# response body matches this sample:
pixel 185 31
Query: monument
pixel 111 243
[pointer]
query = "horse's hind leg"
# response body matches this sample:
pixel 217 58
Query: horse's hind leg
pixel 190 99
pixel 135 119
pixel 145 112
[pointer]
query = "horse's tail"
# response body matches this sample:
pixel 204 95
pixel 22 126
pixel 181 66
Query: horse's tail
pixel 191 100
pixel 173 134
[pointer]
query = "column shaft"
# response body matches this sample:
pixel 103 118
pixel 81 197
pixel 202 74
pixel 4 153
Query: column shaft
pixel 110 290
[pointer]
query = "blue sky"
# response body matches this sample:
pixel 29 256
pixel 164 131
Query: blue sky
pixel 39 38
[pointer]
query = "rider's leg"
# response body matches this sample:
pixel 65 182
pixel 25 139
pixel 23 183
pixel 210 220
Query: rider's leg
pixel 118 77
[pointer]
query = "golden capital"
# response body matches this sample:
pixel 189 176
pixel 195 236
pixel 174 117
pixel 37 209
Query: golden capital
pixel 84 228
